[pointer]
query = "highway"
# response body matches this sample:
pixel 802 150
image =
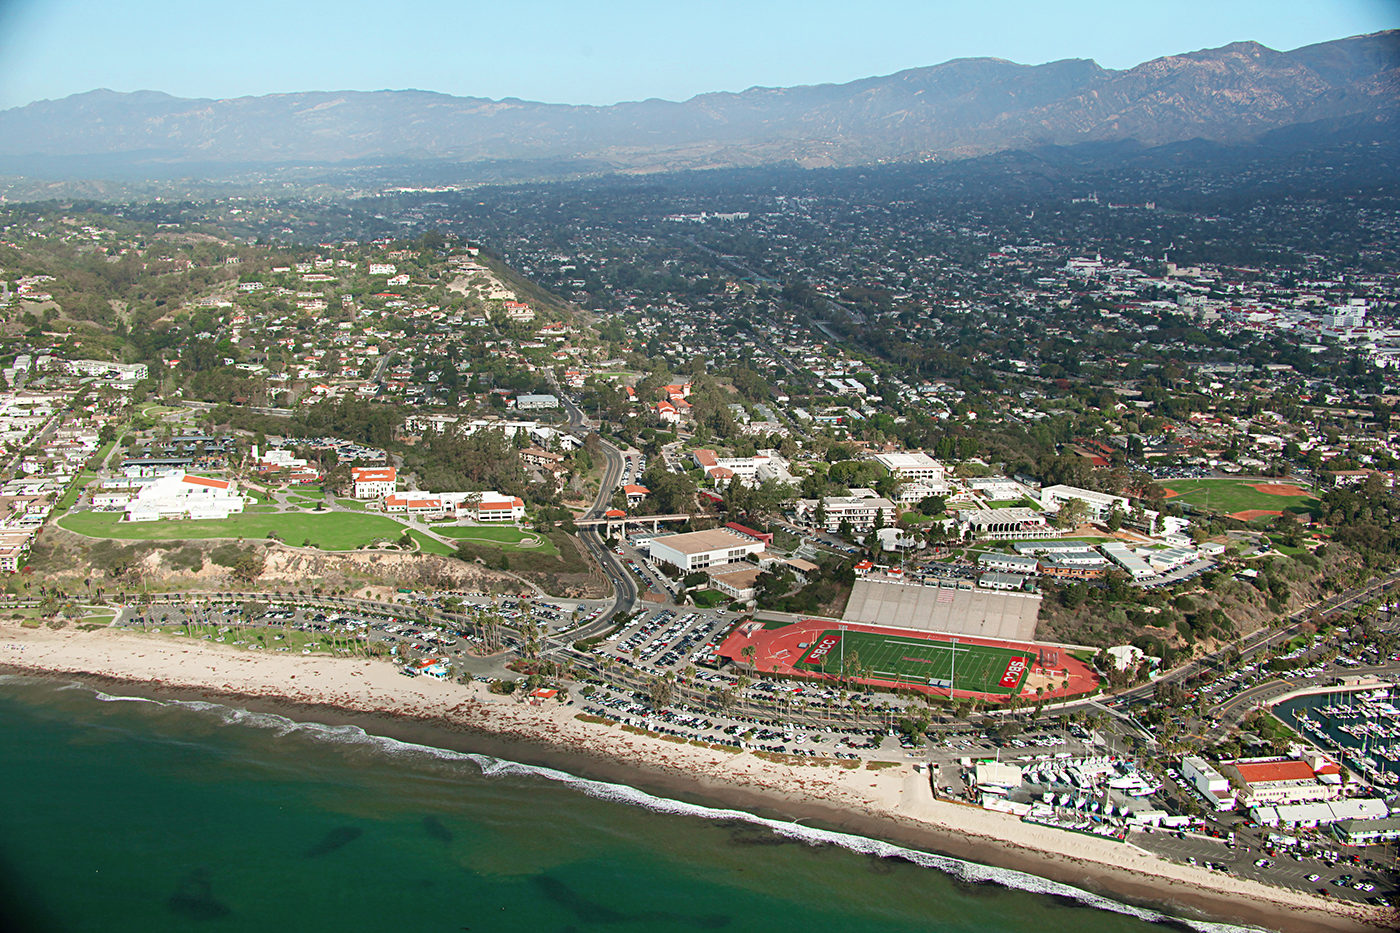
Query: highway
pixel 1258 642
pixel 624 587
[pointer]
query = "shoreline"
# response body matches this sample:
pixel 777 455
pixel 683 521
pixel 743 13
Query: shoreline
pixel 892 804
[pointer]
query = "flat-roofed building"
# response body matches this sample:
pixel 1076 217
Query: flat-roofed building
pixel 1209 783
pixel 915 468
pixel 1062 571
pixel 857 511
pixel 1320 813
pixel 996 774
pixel 737 584
pixel 127 372
pixel 1008 563
pixel 700 549
pixel 155 466
pixel 536 402
pixel 1125 557
pixel 1063 552
pixel 184 496
pixel 1098 504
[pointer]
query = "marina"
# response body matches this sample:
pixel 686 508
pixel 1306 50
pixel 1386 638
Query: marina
pixel 1362 725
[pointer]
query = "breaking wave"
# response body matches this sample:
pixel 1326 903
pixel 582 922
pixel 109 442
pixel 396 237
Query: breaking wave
pixel 499 768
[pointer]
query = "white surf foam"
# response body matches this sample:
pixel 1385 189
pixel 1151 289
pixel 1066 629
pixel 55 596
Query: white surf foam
pixel 492 767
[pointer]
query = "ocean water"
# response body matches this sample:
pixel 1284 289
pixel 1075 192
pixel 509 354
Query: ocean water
pixel 122 813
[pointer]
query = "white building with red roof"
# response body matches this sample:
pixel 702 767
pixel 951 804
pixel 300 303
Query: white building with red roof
pixel 494 507
pixel 413 503
pixel 1275 781
pixel 373 482
pixel 666 413
pixel 184 495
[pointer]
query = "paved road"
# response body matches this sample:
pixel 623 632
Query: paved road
pixel 1260 641
pixel 624 587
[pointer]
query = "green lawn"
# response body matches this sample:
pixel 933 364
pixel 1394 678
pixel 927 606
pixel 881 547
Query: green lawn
pixel 1021 503
pixel 1233 495
pixel 330 531
pixel 102 452
pixel 428 545
pixel 1282 548
pixel 707 599
pixel 511 537
pixel 978 668
pixel 75 490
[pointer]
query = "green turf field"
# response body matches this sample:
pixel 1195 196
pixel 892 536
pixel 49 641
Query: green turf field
pixel 330 531
pixel 917 661
pixel 504 537
pixel 1232 495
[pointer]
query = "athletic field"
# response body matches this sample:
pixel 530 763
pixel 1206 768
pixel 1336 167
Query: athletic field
pixel 918 661
pixel 885 658
pixel 1231 495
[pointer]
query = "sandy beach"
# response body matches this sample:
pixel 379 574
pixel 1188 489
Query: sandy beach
pixel 894 803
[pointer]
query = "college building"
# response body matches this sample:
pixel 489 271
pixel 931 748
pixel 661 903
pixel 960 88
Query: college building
pixel 858 511
pixel 184 496
pixel 700 549
pixel 373 482
pixel 915 468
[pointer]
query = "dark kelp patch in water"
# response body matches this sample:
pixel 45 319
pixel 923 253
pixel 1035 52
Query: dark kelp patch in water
pixel 434 828
pixel 338 838
pixel 591 912
pixel 194 899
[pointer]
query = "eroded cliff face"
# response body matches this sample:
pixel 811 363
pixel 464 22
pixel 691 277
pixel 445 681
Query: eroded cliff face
pixel 75 563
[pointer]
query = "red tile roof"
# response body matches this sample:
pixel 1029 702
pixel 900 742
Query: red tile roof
pixel 1265 772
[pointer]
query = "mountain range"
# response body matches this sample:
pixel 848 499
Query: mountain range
pixel 962 108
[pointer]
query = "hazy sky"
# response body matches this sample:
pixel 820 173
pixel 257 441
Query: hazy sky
pixel 604 51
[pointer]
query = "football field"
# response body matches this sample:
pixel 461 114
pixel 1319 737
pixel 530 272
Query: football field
pixel 918 661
